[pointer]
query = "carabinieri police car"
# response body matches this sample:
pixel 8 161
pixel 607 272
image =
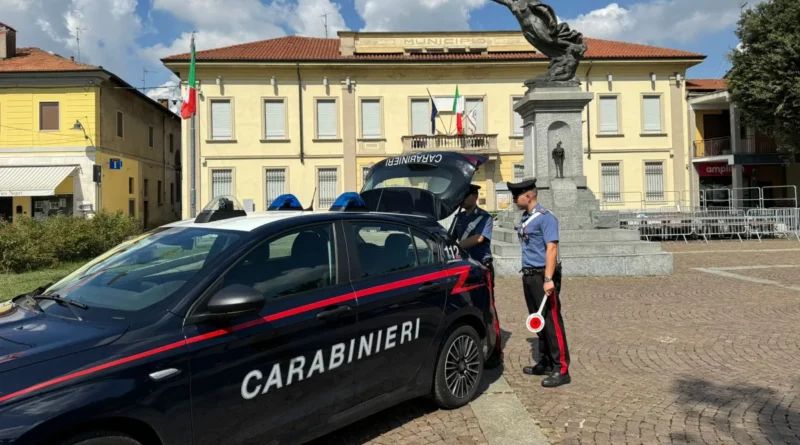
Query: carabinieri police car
pixel 263 328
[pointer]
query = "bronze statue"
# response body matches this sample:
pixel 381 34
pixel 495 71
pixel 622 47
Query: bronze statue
pixel 557 41
pixel 558 158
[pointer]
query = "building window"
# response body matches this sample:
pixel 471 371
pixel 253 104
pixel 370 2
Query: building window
pixel 328 185
pixel 518 132
pixel 609 171
pixel 371 119
pixel 420 117
pixel 146 186
pixel 132 208
pixel 171 142
pixel 364 173
pixel 651 114
pixel 221 183
pixel 150 136
pixel 519 172
pixel 221 120
pixel 160 193
pixel 275 119
pixel 49 116
pixel 178 192
pixel 120 124
pixel 327 120
pixel 474 120
pixel 130 186
pixel 609 115
pixel 276 183
pixel 171 193
pixel 654 181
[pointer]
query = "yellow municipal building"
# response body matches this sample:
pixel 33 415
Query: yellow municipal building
pixel 309 116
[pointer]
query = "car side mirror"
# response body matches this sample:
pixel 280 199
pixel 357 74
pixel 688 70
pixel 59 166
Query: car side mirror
pixel 234 301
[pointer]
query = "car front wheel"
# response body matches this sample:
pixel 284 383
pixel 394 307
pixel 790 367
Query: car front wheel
pixel 100 438
pixel 459 368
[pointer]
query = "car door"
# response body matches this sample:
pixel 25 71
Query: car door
pixel 283 372
pixel 401 286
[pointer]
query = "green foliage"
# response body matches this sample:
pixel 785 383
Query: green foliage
pixel 30 244
pixel 765 79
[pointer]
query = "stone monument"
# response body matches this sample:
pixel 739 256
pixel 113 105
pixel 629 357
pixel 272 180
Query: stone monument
pixel 552 120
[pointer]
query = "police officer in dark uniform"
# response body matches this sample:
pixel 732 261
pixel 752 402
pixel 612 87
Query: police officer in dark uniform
pixel 473 232
pixel 541 269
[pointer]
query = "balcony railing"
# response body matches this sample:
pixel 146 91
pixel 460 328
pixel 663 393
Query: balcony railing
pixel 475 142
pixel 722 146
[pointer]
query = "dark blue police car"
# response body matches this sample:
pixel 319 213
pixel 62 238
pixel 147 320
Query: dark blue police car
pixel 262 328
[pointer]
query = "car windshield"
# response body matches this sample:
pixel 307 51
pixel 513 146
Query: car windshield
pixel 145 270
pixel 433 179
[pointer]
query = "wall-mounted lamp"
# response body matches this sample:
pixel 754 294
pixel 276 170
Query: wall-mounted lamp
pixel 219 80
pixel 652 77
pixel 679 77
pixel 610 77
pixel 325 80
pixel 347 81
pixel 272 81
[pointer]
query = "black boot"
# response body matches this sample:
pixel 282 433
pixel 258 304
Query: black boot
pixel 541 368
pixel 556 379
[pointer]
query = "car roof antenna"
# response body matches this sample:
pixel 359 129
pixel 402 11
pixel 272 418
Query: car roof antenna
pixel 311 206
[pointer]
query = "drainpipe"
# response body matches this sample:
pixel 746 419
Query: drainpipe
pixel 589 115
pixel 300 90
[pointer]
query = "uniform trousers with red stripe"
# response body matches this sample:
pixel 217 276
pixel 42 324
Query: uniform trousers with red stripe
pixel 553 349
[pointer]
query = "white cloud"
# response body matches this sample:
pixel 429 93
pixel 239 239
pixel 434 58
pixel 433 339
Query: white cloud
pixel 659 21
pixel 307 18
pixel 417 15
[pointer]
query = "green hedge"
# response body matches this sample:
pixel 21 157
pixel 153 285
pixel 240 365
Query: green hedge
pixel 31 244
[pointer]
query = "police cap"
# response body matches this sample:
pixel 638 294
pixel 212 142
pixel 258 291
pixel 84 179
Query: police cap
pixel 521 187
pixel 473 189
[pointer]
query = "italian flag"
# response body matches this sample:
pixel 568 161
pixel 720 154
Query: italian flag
pixel 189 107
pixel 458 110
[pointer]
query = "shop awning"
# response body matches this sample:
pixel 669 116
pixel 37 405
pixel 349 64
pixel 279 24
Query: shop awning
pixel 33 180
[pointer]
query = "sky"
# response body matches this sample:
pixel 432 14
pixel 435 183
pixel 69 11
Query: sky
pixel 128 37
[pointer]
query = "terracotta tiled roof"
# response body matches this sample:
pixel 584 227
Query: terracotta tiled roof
pixel 307 48
pixel 37 60
pixel 706 84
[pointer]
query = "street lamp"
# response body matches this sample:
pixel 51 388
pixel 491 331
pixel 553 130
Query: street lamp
pixel 79 127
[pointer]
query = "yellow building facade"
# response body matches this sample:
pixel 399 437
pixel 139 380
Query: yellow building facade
pixel 309 116
pixel 74 138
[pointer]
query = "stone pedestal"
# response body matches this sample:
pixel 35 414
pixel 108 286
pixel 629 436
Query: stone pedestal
pixel 591 242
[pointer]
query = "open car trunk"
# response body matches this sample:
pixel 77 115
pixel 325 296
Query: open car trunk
pixel 431 184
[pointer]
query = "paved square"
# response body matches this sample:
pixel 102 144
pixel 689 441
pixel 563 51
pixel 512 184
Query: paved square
pixel 709 355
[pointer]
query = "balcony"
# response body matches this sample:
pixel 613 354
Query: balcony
pixel 722 146
pixel 477 143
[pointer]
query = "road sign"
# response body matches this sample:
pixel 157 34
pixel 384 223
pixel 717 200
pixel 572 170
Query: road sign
pixel 115 164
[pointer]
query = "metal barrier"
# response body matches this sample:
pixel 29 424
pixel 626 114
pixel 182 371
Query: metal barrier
pixel 774 222
pixel 720 224
pixel 658 224
pixel 788 197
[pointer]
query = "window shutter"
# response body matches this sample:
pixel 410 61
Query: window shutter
pixel 370 118
pixel 477 105
pixel 221 183
pixel 652 114
pixel 48 116
pixel 327 179
pixel 326 119
pixel 275 113
pixel 517 120
pixel 608 115
pixel 221 120
pixel 611 183
pixel 654 180
pixel 420 117
pixel 276 184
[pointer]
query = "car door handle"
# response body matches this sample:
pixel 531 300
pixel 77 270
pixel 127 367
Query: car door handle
pixel 429 287
pixel 332 314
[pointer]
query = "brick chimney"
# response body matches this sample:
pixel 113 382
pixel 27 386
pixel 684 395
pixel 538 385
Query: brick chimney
pixel 8 42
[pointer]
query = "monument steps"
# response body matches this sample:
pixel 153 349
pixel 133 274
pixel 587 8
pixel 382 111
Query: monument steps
pixel 506 249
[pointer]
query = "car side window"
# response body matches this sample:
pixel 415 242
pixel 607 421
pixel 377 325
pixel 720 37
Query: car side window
pixel 298 261
pixel 383 248
pixel 427 249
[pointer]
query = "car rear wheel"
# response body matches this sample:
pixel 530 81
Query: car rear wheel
pixel 100 438
pixel 459 368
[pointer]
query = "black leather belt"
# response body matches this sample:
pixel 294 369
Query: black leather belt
pixel 529 271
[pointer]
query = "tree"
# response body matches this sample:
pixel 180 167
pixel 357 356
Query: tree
pixel 765 79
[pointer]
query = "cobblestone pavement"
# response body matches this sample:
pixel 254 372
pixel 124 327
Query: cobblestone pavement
pixel 697 357
pixel 693 358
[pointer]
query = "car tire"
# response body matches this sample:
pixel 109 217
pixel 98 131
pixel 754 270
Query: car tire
pixel 459 368
pixel 100 438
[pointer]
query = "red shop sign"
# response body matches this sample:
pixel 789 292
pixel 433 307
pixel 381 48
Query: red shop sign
pixel 720 169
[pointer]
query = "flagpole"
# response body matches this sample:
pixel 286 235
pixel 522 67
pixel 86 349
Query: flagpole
pixel 434 102
pixel 192 157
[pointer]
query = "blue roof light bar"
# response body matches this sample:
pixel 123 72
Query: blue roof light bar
pixel 286 202
pixel 349 201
